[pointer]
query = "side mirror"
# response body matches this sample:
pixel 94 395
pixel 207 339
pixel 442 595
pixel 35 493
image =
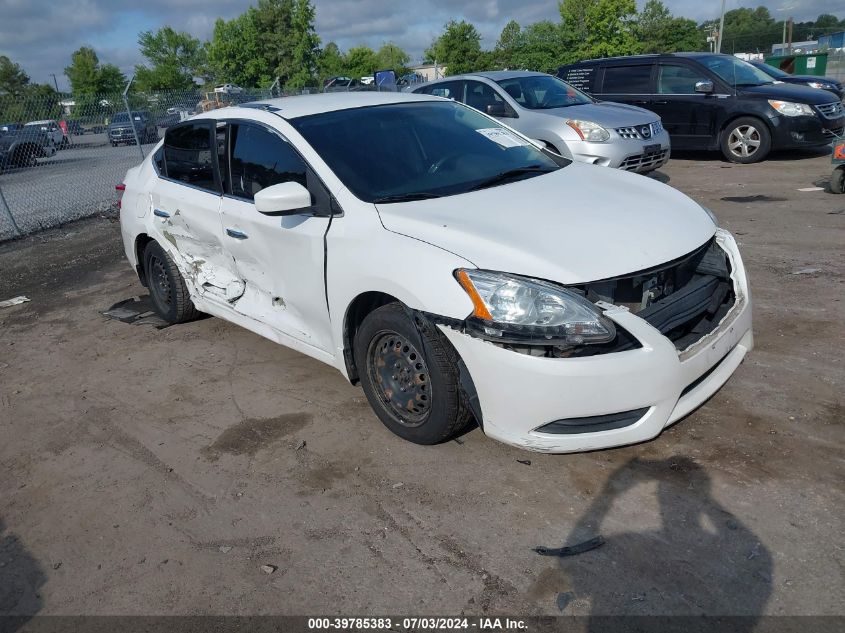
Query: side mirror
pixel 498 109
pixel 705 86
pixel 286 198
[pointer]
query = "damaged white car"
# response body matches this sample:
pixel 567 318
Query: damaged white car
pixel 453 267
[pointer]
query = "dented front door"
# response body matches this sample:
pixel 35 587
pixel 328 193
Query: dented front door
pixel 280 258
pixel 186 208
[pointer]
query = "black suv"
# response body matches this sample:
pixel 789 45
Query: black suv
pixel 120 128
pixel 709 101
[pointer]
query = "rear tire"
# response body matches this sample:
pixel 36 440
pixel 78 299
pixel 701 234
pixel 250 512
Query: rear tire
pixel 746 140
pixel 168 290
pixel 414 392
pixel 837 180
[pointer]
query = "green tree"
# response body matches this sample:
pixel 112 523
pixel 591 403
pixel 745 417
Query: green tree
pixel 827 21
pixel 458 48
pixel 235 54
pixel 508 45
pixel 543 47
pixel 330 62
pixel 88 76
pixel 13 79
pixel 361 61
pixel 660 32
pixel 305 46
pixel 598 28
pixel 392 56
pixel 175 58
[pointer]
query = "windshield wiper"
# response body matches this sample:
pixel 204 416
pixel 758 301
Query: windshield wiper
pixel 508 175
pixel 407 197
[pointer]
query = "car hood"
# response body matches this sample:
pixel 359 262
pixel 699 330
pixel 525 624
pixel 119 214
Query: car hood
pixel 605 113
pixel 807 78
pixel 790 92
pixel 578 224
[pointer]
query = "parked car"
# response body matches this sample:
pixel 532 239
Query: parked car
pixel 120 128
pixel 566 120
pixel 9 127
pixel 709 101
pixel 813 81
pixel 52 129
pixel 229 89
pixel 452 266
pixel 23 147
pixel 75 127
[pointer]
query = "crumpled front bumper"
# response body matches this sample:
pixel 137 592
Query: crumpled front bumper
pixel 518 393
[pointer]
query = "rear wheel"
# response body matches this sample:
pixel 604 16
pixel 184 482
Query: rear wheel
pixel 168 290
pixel 837 180
pixel 746 140
pixel 410 376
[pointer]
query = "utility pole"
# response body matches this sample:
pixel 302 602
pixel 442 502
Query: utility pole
pixel 789 37
pixel 721 29
pixel 55 83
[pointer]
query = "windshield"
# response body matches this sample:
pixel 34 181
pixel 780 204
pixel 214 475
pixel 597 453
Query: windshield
pixel 771 70
pixel 542 92
pixel 735 71
pixel 403 151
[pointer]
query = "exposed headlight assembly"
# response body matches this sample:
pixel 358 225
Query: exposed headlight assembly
pixel 589 131
pixel 512 309
pixel 788 108
pixel 820 84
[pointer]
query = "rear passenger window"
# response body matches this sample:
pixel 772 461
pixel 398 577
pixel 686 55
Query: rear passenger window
pixel 448 89
pixel 188 155
pixel 677 80
pixel 627 80
pixel 260 159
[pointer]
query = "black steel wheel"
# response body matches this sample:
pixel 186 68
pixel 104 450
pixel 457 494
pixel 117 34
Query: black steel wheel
pixel 410 376
pixel 168 290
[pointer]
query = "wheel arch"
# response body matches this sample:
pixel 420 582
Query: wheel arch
pixel 141 242
pixel 356 312
pixel 737 116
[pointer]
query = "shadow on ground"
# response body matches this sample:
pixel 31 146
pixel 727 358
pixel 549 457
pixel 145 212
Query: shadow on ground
pixel 701 560
pixel 21 578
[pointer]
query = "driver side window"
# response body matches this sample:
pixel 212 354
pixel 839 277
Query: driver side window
pixel 258 158
pixel 677 80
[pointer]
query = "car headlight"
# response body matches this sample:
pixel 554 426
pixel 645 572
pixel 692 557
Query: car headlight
pixel 821 85
pixel 711 214
pixel 788 108
pixel 512 309
pixel 589 131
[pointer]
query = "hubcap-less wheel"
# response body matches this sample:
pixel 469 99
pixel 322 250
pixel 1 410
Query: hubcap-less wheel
pixel 160 282
pixel 400 375
pixel 744 141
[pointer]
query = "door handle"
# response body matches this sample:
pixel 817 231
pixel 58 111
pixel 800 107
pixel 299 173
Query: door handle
pixel 660 102
pixel 641 102
pixel 161 214
pixel 238 235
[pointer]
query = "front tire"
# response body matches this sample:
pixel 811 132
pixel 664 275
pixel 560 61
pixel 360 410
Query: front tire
pixel 746 140
pixel 168 290
pixel 415 392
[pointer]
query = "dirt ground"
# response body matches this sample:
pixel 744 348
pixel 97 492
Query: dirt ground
pixel 154 471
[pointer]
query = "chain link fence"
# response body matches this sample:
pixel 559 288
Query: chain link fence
pixel 836 64
pixel 62 155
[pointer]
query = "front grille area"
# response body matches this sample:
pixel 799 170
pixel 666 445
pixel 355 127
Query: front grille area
pixel 685 299
pixel 640 132
pixel 831 110
pixel 644 162
pixel 836 133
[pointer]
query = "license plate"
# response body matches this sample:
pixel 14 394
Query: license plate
pixel 652 149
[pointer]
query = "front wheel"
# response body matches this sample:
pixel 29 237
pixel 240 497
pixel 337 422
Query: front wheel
pixel 746 140
pixel 168 290
pixel 410 376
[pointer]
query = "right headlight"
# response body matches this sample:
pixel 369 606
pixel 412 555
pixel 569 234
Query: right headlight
pixel 512 309
pixel 788 108
pixel 589 131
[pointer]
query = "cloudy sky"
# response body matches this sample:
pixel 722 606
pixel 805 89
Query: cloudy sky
pixel 41 34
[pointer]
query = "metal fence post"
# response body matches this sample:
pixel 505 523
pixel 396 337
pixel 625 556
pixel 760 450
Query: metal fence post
pixel 131 119
pixel 8 211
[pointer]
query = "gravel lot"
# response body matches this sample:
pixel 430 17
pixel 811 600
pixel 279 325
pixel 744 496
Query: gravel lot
pixel 149 471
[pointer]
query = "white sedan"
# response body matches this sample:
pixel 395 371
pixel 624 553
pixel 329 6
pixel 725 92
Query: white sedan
pixel 452 266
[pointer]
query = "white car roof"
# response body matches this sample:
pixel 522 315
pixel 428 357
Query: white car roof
pixel 40 122
pixel 303 105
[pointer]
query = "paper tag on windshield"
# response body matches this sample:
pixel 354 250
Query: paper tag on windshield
pixel 502 136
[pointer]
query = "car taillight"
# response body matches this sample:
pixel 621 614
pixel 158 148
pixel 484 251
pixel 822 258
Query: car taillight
pixel 120 189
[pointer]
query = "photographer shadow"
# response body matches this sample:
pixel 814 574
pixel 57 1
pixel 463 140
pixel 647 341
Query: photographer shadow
pixel 21 579
pixel 701 560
